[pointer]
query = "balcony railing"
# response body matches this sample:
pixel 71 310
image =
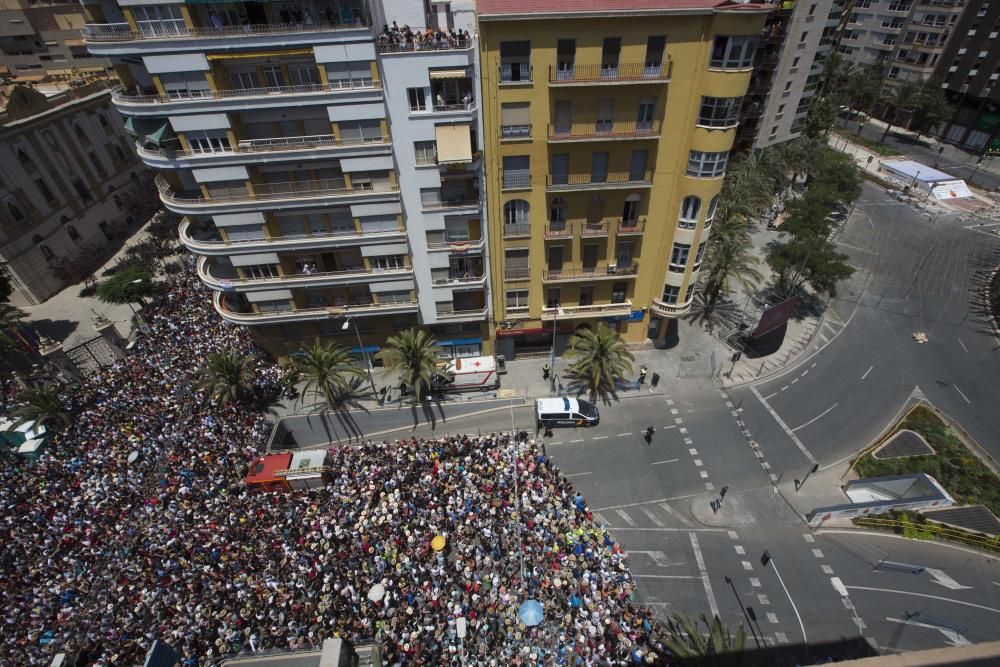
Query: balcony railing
pixel 458 202
pixel 665 309
pixel 273 191
pixel 604 130
pixel 516 312
pixel 562 230
pixel 421 47
pixel 592 273
pixel 460 314
pixel 516 180
pixel 513 132
pixel 458 106
pixel 237 315
pixel 629 227
pixel 122 32
pixel 592 310
pixel 205 265
pixel 517 229
pixel 516 274
pixel 122 96
pixel 594 229
pixel 618 73
pixel 513 76
pixel 215 245
pixel 272 145
pixel 597 181
pixel 460 278
pixel 457 246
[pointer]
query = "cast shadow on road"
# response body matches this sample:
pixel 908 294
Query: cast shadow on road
pixel 57 330
pixel 426 409
pixel 788 655
pixel 984 302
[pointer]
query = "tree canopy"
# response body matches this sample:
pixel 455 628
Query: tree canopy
pixel 129 285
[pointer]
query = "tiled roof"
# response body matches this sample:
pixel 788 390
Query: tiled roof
pixel 502 7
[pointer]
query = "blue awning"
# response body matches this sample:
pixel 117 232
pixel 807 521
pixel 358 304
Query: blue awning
pixel 367 349
pixel 459 341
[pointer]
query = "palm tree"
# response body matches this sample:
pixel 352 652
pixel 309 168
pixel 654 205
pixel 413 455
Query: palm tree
pixel 598 359
pixel 902 98
pixel 40 404
pixel 328 370
pixel 413 355
pixel 727 261
pixel 745 193
pixel 10 317
pixel 811 150
pixel 689 644
pixel 227 376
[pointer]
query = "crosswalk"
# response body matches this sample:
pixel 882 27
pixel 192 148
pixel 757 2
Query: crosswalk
pixel 648 515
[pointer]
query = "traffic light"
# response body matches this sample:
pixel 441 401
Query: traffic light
pixel 765 558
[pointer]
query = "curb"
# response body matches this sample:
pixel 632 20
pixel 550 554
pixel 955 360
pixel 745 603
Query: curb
pixel 991 316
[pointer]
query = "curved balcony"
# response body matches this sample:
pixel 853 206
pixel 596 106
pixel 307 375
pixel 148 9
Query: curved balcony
pixel 151 104
pixel 253 151
pixel 230 312
pixel 208 273
pixel 213 245
pixel 664 309
pixel 273 195
pixel 120 39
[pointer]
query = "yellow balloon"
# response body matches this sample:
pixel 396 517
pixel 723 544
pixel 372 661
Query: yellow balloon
pixel 438 543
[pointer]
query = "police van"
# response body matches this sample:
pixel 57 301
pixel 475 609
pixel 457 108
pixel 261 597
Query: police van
pixel 565 411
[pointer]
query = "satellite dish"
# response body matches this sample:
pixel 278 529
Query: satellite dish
pixel 133 455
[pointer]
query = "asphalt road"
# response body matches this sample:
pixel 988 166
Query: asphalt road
pixel 914 274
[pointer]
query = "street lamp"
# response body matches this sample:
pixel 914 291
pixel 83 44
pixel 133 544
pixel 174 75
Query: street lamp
pixel 364 354
pixel 552 353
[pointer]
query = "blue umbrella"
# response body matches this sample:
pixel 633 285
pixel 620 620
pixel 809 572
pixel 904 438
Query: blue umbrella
pixel 530 612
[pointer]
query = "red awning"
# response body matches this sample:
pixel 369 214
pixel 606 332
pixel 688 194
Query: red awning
pixel 508 333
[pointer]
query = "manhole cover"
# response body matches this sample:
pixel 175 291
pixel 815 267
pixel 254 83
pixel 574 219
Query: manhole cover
pixel 904 443
pixel 689 357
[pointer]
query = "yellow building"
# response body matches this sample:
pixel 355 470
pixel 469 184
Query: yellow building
pixel 608 127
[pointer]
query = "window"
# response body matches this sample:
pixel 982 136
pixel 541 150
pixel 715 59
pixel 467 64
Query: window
pixel 260 271
pixel 618 291
pixel 425 152
pixel 690 208
pixel 565 58
pixel 418 101
pixel 637 165
pixel 22 157
pixel 515 62
pixel 804 37
pixel 711 209
pixel 689 293
pixel 516 264
pixel 733 52
pixel 719 111
pixel 605 114
pixel 630 211
pixel 360 131
pixel 610 53
pixel 788 86
pixel 707 165
pixel 515 212
pixel 599 167
pixel 388 262
pixel 515 120
pixel 552 297
pixel 160 20
pixel 119 152
pixel 781 112
pixel 812 9
pixel 78 131
pixel 679 256
pixel 98 165
pixel 44 189
pixel 560 169
pixel 517 298
pixel 276 306
pixel 307 75
pixel 46 252
pixel 516 172
pixel 699 254
pixel 655 46
pixel 557 211
pixel 15 211
pixel 795 62
pixel 670 294
pixel 102 120
pixel 81 190
pixel 73 234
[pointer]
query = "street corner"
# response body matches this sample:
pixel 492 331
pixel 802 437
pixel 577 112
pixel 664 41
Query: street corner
pixel 820 489
pixel 717 510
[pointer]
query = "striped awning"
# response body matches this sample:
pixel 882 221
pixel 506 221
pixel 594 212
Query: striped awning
pixel 259 54
pixel 449 74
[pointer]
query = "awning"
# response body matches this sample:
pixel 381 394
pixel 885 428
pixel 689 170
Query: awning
pixel 459 341
pixel 256 258
pixel 454 143
pixel 75 42
pixel 161 134
pixel 61 72
pixel 146 127
pixel 449 74
pixel 89 70
pixel 4 69
pixel 368 349
pixel 28 78
pixel 258 54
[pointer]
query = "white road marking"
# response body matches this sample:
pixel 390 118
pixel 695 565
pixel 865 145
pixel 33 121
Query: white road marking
pixel 709 486
pixel 656 463
pixel 644 502
pixel 817 417
pixel 942 578
pixel 765 465
pixel 804 373
pixel 772 617
pixel 683 430
pixel 784 388
pixel 703 474
pixel 734 536
pixel 658 557
pixel 925 595
pixel 802 627
pixel 729 404
pixel 625 517
pixel 773 477
pixel 704 574
pixel 600 437
pixel 823 338
pixel 827 569
pixel 868 371
pixel 677 515
pixel 698 462
pixel 963 346
pixel 761 598
pixel 580 440
pixel 740 550
pixel 600 519
pixel 781 637
pixel 771 395
pixel 678 420
pixel 667 576
pixel 818 553
pixel 783 425
pixel 747 565
pixel 688 441
pixel 961 393
pixel 670 426
pixel 808 537
pixel 662 530
pixel 755 582
pixel 651 516
pixel 693 452
pixel 674 411
pixel 579 474
pixel 622 435
pixel 794 381
pixel 954 638
pixel 670 401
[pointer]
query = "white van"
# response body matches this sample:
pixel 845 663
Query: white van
pixel 564 411
pixel 470 373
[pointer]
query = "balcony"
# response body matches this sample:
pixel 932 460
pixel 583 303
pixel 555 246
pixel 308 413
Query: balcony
pixel 515 133
pixel 238 314
pixel 664 309
pixel 389 48
pixel 209 272
pixel 516 180
pixel 592 310
pixel 302 193
pixel 630 227
pixel 467 245
pixel 599 272
pixel 517 229
pixel 210 243
pixel 317 145
pixel 620 73
pixel 477 313
pixel 562 230
pixel 460 279
pixel 135 102
pixel 593 229
pixel 516 274
pixel 452 204
pixel 618 180
pixel 515 74
pixel 604 131
pixel 122 32
pixel 516 312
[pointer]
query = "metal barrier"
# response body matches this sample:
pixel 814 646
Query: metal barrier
pixel 936 531
pixel 92 355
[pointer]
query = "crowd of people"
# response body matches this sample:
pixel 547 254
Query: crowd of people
pixel 404 39
pixel 136 526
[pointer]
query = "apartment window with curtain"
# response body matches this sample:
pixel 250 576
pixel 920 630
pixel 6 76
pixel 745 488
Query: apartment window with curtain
pixel 610 54
pixel 679 256
pixel 719 111
pixel 565 58
pixel 733 52
pixel 670 294
pixel 655 46
pixel 707 165
pixel 515 120
pixel 425 152
pixel 690 208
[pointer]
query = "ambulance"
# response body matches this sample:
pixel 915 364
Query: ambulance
pixel 469 373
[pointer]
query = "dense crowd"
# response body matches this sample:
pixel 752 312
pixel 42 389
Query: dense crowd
pixel 136 526
pixel 404 39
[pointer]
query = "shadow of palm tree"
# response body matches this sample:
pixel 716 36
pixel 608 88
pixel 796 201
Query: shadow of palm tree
pixel 710 316
pixel 578 386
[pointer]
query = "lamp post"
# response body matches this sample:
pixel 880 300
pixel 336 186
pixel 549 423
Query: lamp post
pixel 364 354
pixel 552 353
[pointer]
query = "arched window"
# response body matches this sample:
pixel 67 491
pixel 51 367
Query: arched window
pixel 690 207
pixel 711 209
pixel 630 213
pixel 73 234
pixel 46 252
pixel 15 211
pixel 557 211
pixel 36 239
pixel 515 212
